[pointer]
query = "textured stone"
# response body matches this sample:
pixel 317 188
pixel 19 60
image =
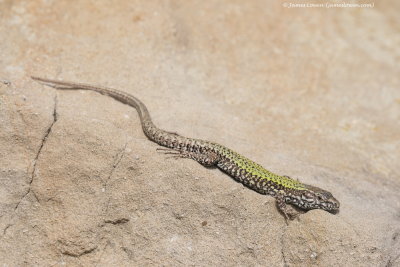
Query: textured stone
pixel 312 93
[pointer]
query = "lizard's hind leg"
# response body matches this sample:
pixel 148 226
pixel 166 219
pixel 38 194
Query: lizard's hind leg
pixel 207 158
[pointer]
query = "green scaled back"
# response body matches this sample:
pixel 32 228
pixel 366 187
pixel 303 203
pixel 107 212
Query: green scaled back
pixel 257 170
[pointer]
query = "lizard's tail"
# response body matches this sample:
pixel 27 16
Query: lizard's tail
pixel 123 97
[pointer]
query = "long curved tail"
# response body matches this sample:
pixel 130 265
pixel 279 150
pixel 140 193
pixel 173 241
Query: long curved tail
pixel 149 128
pixel 118 95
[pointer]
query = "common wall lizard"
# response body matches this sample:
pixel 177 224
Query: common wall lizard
pixel 210 154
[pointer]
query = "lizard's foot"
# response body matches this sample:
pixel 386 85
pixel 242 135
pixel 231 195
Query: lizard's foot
pixel 288 211
pixel 175 153
pixel 166 150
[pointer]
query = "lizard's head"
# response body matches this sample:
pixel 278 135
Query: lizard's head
pixel 316 198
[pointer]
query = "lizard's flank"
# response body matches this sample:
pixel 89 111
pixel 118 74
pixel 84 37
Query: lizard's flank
pixel 285 189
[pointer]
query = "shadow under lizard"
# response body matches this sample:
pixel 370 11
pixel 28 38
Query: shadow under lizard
pixel 283 188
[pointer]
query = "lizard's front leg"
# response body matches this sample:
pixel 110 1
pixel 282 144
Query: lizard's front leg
pixel 287 210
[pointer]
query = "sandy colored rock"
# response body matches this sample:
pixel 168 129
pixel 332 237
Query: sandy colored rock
pixel 313 93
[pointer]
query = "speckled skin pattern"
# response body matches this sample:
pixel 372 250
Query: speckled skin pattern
pixel 283 188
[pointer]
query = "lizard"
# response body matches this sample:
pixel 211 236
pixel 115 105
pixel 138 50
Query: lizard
pixel 292 196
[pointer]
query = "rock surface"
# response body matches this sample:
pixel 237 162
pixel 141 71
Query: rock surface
pixel 313 93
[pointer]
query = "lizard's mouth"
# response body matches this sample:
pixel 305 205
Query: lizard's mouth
pixel 334 211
